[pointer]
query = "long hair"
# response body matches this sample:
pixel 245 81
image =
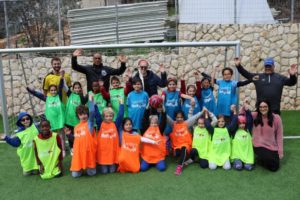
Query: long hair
pixel 258 120
pixel 126 119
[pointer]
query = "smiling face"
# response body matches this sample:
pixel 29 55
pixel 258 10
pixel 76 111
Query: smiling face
pixel 97 59
pixel 45 128
pixel 108 115
pixel 227 75
pixel 172 86
pixel 200 123
pixel 153 120
pixel 53 90
pixel 205 84
pixel 115 84
pixel 127 126
pixel 221 122
pixel 137 86
pixel 56 66
pixel 191 91
pixel 269 69
pixel 95 87
pixel 179 118
pixel 77 89
pixel 143 65
pixel 263 108
pixel 25 121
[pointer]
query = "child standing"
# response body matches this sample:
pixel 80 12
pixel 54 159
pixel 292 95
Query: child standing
pixel 99 99
pixel 48 152
pixel 227 92
pixel 23 141
pixel 84 156
pixel 172 102
pixel 75 98
pixel 129 156
pixel 116 92
pixel 192 91
pixel 220 148
pixel 242 148
pixel 108 140
pixel 137 102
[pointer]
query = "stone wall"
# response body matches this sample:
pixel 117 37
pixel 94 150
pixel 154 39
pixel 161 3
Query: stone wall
pixel 257 42
pixel 280 41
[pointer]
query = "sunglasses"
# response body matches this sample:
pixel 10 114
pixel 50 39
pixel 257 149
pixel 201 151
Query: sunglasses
pixel 143 67
pixel 25 119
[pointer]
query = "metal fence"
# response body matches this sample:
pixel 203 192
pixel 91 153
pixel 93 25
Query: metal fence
pixel 124 23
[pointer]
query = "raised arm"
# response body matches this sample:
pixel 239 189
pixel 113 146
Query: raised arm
pixel 37 94
pixel 293 78
pixel 119 118
pixel 161 82
pixel 122 68
pixel 192 120
pixel 75 65
pixel 242 70
pixel 91 114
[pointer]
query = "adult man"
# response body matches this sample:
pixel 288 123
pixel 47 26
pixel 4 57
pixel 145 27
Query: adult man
pixel 97 71
pixel 269 85
pixel 150 80
pixel 53 78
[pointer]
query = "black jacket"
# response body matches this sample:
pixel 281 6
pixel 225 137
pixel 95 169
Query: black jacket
pixel 269 86
pixel 93 72
pixel 152 81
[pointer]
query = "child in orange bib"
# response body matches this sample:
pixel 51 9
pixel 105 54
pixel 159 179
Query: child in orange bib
pixel 108 140
pixel 129 156
pixel 84 149
pixel 154 154
pixel 181 138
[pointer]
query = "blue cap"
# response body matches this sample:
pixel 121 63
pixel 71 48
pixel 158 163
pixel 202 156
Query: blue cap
pixel 269 62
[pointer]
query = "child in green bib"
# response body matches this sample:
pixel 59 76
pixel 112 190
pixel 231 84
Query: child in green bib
pixel 75 98
pixel 201 140
pixel 48 152
pixel 220 147
pixel 242 153
pixel 55 109
pixel 23 141
pixel 116 92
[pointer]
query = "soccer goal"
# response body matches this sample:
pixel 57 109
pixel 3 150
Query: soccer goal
pixel 24 67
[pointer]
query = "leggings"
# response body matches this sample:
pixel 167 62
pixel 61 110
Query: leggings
pixel 267 158
pixel 194 154
pixel 181 153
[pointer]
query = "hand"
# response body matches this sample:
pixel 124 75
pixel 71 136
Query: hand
pixel 218 68
pixel 62 73
pixel 233 108
pixel 2 136
pixel 237 61
pixel 246 104
pixel 204 110
pixel 161 68
pixel 255 78
pixel 293 69
pixel 101 83
pixel 91 97
pixel 193 103
pixel 196 75
pixel 42 169
pixel 127 75
pixel 29 89
pixel 77 52
pixel 122 58
pixel 67 130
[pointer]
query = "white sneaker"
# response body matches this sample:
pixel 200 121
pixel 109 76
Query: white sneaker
pixel 187 162
pixel 71 152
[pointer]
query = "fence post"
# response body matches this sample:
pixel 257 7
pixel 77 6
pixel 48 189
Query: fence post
pixel 3 99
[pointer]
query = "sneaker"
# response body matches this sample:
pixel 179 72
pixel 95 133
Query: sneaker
pixel 178 170
pixel 71 152
pixel 189 161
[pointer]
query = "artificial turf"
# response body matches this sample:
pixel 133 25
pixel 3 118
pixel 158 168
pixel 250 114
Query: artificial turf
pixel 193 183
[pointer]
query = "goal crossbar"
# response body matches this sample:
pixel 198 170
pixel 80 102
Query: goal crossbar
pixel 235 44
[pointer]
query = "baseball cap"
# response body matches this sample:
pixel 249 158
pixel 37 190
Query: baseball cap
pixel 268 62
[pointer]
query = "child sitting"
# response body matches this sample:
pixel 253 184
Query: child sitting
pixel 48 152
pixel 23 141
pixel 242 152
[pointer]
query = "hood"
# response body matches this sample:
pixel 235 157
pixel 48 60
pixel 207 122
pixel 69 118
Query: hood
pixel 19 124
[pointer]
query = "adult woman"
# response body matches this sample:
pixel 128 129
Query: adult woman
pixel 267 136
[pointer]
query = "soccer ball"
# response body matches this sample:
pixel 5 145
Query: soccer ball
pixel 155 101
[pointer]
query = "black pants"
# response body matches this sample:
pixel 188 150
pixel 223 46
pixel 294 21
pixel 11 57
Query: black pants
pixel 194 154
pixel 181 153
pixel 267 158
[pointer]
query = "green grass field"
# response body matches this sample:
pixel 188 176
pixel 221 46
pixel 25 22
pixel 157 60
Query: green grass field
pixel 194 183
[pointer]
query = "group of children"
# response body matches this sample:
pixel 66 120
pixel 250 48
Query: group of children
pixel 124 130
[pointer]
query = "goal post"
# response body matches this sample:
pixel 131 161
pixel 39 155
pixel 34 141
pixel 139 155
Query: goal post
pixel 117 47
